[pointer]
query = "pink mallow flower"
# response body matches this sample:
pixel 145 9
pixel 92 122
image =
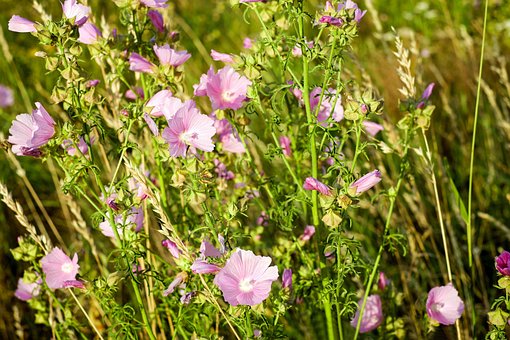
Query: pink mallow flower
pixel 79 12
pixel 503 263
pixel 21 25
pixel 82 146
pixel 157 20
pixel 425 96
pixel 224 57
pixel 326 109
pixel 89 34
pixel 285 145
pixel 172 248
pixel 311 183
pixel 372 128
pixel 155 3
pixel 307 233
pixel 151 124
pixel 247 43
pixel 31 131
pixel 208 250
pixel 134 219
pixel 179 279
pixel 6 96
pixel 26 291
pixel 203 267
pixel 383 281
pixel 165 104
pixel 366 182
pixel 287 279
pixel 226 89
pixel 189 128
pixel 169 56
pixel 372 315
pixel 349 4
pixel 444 304
pixel 59 268
pixel 138 63
pixel 246 278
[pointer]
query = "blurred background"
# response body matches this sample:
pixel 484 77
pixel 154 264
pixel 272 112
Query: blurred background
pixel 445 38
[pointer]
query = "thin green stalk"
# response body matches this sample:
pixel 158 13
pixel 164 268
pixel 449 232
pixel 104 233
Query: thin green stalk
pixel 469 230
pixel 311 130
pixel 85 313
pixel 440 218
pixel 287 165
pixel 379 255
pixel 356 151
pixel 329 318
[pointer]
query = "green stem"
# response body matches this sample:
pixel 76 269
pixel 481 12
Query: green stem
pixel 469 230
pixel 311 130
pixel 329 318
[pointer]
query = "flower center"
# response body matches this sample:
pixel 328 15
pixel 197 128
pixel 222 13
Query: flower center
pixel 246 285
pixel 228 96
pixel 436 307
pixel 188 136
pixel 67 267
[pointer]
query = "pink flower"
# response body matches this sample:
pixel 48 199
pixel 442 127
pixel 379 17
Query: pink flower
pixel 203 267
pixel 246 278
pixel 330 20
pixel 141 189
pixel 247 43
pixel 59 268
pixel 79 12
pixel 151 124
pixel 232 143
pixel 263 219
pixel 428 91
pixel 372 128
pixel 89 34
pixel 134 218
pixel 314 184
pixel 164 104
pixel 349 4
pixel 172 248
pixel 383 281
pixel 157 20
pixel 222 171
pixel 179 279
pixel 138 63
pixel 425 96
pixel 155 3
pixel 287 279
pixel 21 25
pixel 168 56
pixel 31 131
pixel 366 182
pixel 444 304
pixel 73 284
pixel 372 315
pixel 82 146
pixel 189 128
pixel 285 145
pixel 92 83
pixel 224 57
pixel 26 291
pixel 134 94
pixel 208 250
pixel 308 233
pixel 6 96
pixel 226 89
pixel 326 109
pixel 503 263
